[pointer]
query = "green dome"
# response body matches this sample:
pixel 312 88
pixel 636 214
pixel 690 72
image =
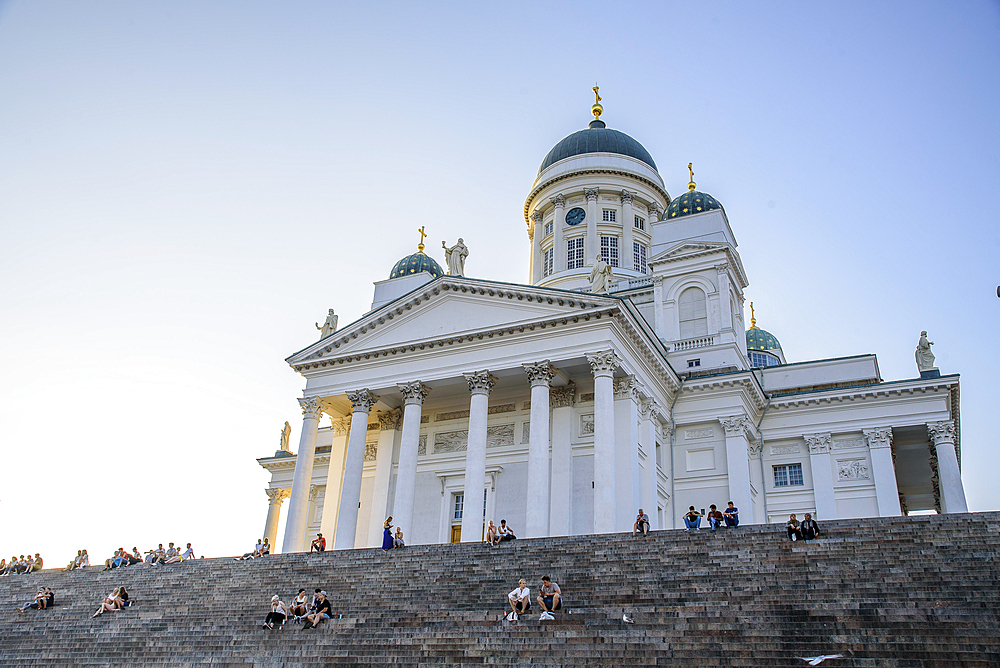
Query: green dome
pixel 759 339
pixel 414 264
pixel 689 203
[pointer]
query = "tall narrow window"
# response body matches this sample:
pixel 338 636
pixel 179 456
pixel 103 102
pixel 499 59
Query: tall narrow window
pixel 547 261
pixel 639 257
pixel 574 253
pixel 548 229
pixel 640 223
pixel 609 250
pixel 459 504
pixel 693 313
pixel 609 215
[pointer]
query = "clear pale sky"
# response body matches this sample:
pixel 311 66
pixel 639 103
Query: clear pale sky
pixel 187 187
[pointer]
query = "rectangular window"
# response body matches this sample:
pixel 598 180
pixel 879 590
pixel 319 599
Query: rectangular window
pixel 694 363
pixel 459 503
pixel 786 476
pixel 548 229
pixel 547 261
pixel 574 253
pixel 639 257
pixel 609 215
pixel 609 250
pixel 640 223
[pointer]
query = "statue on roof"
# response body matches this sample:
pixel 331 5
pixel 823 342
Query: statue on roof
pixel 923 354
pixel 328 327
pixel 455 257
pixel 600 277
pixel 286 431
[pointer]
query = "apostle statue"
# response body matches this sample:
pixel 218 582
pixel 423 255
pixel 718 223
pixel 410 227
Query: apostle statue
pixel 286 431
pixel 600 277
pixel 328 327
pixel 923 354
pixel 455 257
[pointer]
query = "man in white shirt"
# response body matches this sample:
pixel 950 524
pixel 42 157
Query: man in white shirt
pixel 519 599
pixel 188 553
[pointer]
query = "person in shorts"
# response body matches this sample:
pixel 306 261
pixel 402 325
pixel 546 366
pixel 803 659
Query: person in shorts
pixel 549 598
pixel 319 544
pixel 519 599
pixel 641 523
pixel 321 611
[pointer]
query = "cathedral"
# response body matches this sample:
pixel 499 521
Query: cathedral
pixel 620 376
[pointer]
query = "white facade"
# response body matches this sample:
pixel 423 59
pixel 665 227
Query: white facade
pixel 459 400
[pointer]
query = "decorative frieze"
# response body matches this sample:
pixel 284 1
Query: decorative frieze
pixel 502 408
pixel 451 415
pixel 691 434
pixel 374 426
pixel 311 408
pixel 587 424
pixel 424 419
pixel 818 443
pixel 561 397
pixel 480 382
pixel 458 440
pixel 340 426
pixel 853 469
pixel 371 451
pixel 422 445
pixel 852 444
pixel 314 491
pixel 526 431
pixel 784 449
pixel 586 396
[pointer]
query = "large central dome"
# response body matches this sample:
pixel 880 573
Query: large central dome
pixel 597 139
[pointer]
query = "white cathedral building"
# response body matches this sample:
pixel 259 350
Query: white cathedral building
pixel 458 400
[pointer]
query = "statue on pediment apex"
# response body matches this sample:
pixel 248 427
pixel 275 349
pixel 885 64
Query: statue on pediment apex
pixel 328 327
pixel 923 354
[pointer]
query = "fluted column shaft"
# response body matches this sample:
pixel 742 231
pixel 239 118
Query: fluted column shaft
pixel 406 478
pixel 350 492
pixel 298 504
pixel 537 510
pixel 480 386
pixel 949 475
pixel 275 497
pixel 883 471
pixel 603 365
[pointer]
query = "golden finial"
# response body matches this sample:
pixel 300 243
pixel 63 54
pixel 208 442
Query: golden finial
pixel 691 184
pixel 420 246
pixel 753 320
pixel 597 109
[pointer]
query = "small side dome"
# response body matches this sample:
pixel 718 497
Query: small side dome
pixel 414 264
pixel 760 339
pixel 690 203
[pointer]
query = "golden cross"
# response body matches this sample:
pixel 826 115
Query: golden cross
pixel 422 234
pixel 753 320
pixel 596 94
pixel 691 171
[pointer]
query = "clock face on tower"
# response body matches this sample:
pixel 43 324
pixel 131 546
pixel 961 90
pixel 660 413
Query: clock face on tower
pixel 575 216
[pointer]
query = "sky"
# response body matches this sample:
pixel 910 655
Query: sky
pixel 187 187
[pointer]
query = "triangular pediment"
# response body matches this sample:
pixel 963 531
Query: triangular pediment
pixel 450 308
pixel 687 249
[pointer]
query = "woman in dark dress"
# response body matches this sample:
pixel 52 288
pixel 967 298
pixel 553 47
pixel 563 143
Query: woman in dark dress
pixel 387 533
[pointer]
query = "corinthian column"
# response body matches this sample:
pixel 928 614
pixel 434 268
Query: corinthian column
pixel 388 425
pixel 537 514
pixel 822 475
pixel 561 495
pixel 603 364
pixel 406 479
pixel 350 493
pixel 298 504
pixel 480 386
pixel 558 242
pixel 738 463
pixel 536 233
pixel 628 484
pixel 886 491
pixel 627 258
pixel 275 496
pixel 949 475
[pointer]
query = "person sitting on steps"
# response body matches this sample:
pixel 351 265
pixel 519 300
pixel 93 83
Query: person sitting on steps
pixel 732 515
pixel 715 518
pixel 299 604
pixel 506 533
pixel 792 527
pixel 641 523
pixel 321 612
pixel 809 529
pixel 692 519
pixel 319 544
pixel 277 615
pixel 492 535
pixel 549 598
pixel 111 602
pixel 519 599
pixel 397 540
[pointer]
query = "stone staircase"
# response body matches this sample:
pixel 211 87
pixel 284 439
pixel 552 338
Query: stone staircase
pixel 895 592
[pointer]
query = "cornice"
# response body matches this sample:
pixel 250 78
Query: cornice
pixel 743 382
pixel 703 249
pixel 617 172
pixel 861 393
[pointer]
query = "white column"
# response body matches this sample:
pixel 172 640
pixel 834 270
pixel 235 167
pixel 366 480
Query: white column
pixel 822 475
pixel 725 307
pixel 298 504
pixel 628 483
pixel 654 215
pixel 884 471
pixel 536 523
pixel 738 462
pixel 350 493
pixel 275 496
pixel 558 241
pixel 627 258
pixel 647 437
pixel 535 233
pixel 388 424
pixel 757 478
pixel 334 477
pixel 406 477
pixel 603 365
pixel 480 385
pixel 593 244
pixel 658 324
pixel 949 475
pixel 561 497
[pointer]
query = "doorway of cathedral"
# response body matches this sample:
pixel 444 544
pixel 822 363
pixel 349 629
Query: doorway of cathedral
pixel 456 533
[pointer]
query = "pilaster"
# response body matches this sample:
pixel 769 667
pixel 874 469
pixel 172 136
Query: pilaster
pixel 822 474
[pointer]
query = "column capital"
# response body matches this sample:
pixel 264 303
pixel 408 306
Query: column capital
pixel 626 197
pixel 389 420
pixel 591 194
pixel 362 400
pixel 818 443
pixel 537 215
pixel 311 407
pixel 627 388
pixel 540 373
pixel 276 495
pixel 654 209
pixel 558 201
pixel 604 363
pixel 648 409
pixel 735 425
pixel 340 426
pixel 942 432
pixel 314 491
pixel 413 393
pixel 722 268
pixel 562 397
pixel 754 447
pixel 878 438
pixel 480 382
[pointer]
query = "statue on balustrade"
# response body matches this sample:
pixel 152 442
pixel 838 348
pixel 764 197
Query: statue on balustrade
pixel 286 431
pixel 600 277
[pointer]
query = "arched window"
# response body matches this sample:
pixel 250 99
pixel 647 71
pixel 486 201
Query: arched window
pixel 693 313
